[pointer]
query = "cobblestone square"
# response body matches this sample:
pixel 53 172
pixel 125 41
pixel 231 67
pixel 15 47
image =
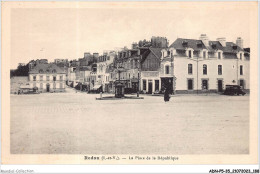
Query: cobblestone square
pixel 77 123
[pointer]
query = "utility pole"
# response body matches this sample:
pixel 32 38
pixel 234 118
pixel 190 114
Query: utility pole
pixel 197 76
pixel 172 71
pixel 139 66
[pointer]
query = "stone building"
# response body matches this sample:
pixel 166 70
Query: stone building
pixel 48 78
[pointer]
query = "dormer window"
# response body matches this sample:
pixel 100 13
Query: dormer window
pixel 190 54
pixel 234 47
pixel 199 44
pixel 219 55
pixel 204 54
pixel 40 71
pixel 185 43
pixel 214 46
pixel 168 53
pixel 241 55
pixel 54 71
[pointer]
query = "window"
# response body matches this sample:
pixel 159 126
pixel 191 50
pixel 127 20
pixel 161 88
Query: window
pixel 61 85
pixel 61 78
pixel 168 53
pixel 219 55
pixel 34 78
pixel 190 53
pixel 54 85
pixel 241 69
pixel 219 69
pixel 41 85
pixel 205 84
pixel 190 84
pixel 41 78
pixel 204 54
pixel 189 68
pixel 144 84
pixel 54 71
pixel 241 55
pixel 54 78
pixel 204 69
pixel 167 69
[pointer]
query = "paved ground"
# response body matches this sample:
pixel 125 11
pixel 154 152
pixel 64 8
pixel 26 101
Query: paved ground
pixel 76 123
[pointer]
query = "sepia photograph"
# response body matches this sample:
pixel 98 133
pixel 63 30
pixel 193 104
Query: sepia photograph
pixel 130 81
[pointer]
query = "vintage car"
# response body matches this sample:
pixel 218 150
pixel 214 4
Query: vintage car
pixel 233 90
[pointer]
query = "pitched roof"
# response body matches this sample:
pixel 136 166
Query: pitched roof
pixel 191 43
pixel 46 69
pixel 156 52
pixel 179 44
pixel 85 68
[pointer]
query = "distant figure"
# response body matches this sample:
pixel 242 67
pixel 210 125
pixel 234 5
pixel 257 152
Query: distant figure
pixel 166 95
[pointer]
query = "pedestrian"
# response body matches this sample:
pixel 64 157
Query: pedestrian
pixel 166 95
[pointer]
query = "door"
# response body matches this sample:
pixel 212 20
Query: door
pixel 48 87
pixel 157 85
pixel 220 86
pixel 150 87
pixel 241 84
pixel 204 84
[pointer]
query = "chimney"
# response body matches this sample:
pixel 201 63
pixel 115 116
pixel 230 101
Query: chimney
pixel 239 42
pixel 222 41
pixel 204 38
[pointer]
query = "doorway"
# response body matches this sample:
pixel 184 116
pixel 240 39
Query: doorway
pixel 220 85
pixel 150 87
pixel 204 84
pixel 241 83
pixel 48 87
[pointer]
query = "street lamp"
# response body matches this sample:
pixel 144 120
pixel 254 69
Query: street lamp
pixel 172 74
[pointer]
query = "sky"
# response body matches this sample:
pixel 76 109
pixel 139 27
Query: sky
pixel 69 32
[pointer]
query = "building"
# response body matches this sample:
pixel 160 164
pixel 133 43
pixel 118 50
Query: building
pixel 57 61
pixel 140 69
pixel 207 66
pixel 159 42
pixel 104 63
pixel 33 63
pixel 48 78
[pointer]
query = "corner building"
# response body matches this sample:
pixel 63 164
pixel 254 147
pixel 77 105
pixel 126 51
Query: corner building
pixel 207 66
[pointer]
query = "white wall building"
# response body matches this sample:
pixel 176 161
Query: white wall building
pixel 203 65
pixel 48 78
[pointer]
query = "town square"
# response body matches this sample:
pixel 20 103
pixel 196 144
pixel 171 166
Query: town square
pixel 76 123
pixel 158 83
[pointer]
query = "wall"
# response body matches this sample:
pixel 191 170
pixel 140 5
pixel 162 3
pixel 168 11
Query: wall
pixel 230 72
pixel 16 81
pixel 60 82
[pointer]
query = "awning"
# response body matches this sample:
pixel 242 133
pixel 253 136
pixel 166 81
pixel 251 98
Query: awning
pixel 96 87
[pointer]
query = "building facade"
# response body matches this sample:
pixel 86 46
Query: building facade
pixel 207 66
pixel 48 78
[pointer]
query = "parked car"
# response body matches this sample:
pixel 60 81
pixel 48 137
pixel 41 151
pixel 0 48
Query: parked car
pixel 233 90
